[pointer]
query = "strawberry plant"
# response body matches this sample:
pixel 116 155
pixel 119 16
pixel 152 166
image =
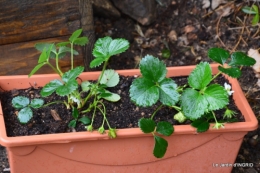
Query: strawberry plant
pixel 68 85
pixel 196 101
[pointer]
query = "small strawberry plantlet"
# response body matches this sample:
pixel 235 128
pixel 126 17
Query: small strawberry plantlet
pixel 254 11
pixel 152 87
pixel 104 48
pixel 24 103
pixel 69 86
pixel 197 100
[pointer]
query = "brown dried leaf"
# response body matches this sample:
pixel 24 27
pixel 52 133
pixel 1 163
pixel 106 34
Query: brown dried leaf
pixel 139 30
pixel 225 11
pixel 172 35
pixel 149 32
pixel 188 29
pixel 214 4
pixel 253 53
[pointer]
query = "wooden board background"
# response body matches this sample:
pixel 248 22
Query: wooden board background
pixel 26 22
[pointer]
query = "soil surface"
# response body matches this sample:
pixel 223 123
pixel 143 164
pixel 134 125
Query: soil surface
pixel 121 114
pixel 188 30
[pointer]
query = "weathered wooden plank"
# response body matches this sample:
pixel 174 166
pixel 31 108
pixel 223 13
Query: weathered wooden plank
pixel 87 24
pixel 31 20
pixel 21 58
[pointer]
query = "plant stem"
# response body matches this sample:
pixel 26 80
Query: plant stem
pixel 214 77
pixel 214 116
pixel 90 94
pixel 159 107
pixel 100 77
pixel 104 114
pixel 71 55
pixel 93 116
pixel 176 108
pixel 57 65
pixel 54 68
pixel 180 88
pixel 102 72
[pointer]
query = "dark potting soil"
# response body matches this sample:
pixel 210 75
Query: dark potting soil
pixel 121 114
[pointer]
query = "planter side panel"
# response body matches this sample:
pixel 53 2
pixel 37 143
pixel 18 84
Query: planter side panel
pixel 186 153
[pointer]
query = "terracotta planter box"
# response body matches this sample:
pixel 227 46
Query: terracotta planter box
pixel 131 151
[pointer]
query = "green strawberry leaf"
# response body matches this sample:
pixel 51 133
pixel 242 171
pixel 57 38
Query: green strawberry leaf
pixel 101 48
pixel 239 58
pixel 85 120
pixel 75 113
pixel 81 41
pixel 107 47
pixel 43 57
pixel 85 86
pixel 152 68
pixel 232 71
pixel 193 104
pixel 20 102
pixel 72 123
pixel 49 47
pixel 164 128
pixel 104 94
pixel 72 74
pixel 201 76
pixel 216 96
pixel 62 44
pixel 25 115
pixel 36 68
pixel 146 125
pixel 168 92
pixel 110 78
pixel 143 92
pixel 118 46
pixel 37 103
pixel 63 49
pixel 75 35
pixel 49 88
pixel 218 55
pixel 201 125
pixel 160 147
pixel 68 88
pixel 113 97
pixel 96 62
